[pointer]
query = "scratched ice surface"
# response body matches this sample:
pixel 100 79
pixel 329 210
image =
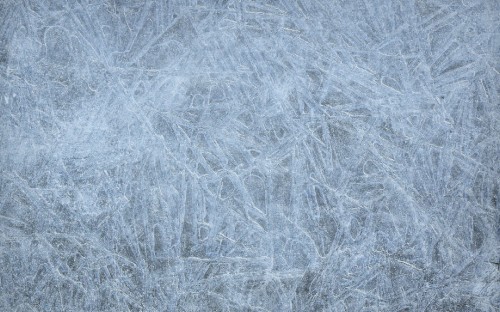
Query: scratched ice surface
pixel 249 155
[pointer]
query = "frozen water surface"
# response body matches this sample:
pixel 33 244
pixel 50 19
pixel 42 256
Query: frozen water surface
pixel 249 155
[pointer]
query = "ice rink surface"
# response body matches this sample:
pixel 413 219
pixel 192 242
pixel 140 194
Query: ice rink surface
pixel 293 155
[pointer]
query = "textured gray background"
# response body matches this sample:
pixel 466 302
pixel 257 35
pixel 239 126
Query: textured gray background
pixel 249 155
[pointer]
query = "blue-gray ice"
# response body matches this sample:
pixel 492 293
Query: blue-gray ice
pixel 287 155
